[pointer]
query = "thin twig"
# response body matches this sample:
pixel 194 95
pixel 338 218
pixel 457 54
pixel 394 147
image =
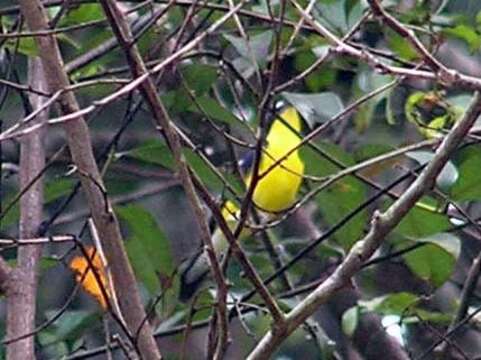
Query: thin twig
pixel 162 119
pixel 382 224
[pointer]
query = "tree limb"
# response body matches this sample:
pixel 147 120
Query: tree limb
pixel 22 294
pixel 382 224
pixel 162 120
pixel 80 146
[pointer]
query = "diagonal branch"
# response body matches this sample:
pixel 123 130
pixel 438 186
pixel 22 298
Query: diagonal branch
pixel 80 146
pixel 409 35
pixel 447 77
pixel 162 120
pixel 382 224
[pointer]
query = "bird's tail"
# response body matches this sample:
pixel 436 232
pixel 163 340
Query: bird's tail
pixel 193 272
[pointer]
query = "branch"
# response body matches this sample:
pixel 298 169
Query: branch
pixel 161 117
pixel 80 146
pixel 120 200
pixel 111 43
pixel 447 77
pixel 464 301
pixel 382 224
pixel 241 256
pixel 248 267
pixel 162 120
pixel 409 35
pixel 35 241
pixel 22 295
pixel 77 113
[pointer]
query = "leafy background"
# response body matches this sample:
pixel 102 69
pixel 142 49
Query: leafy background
pixel 414 293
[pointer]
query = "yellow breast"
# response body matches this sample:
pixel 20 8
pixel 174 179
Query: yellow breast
pixel 277 189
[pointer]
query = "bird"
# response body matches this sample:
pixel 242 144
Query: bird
pixel 277 189
pixel 81 266
pixel 431 113
pixel 195 269
pixel 274 193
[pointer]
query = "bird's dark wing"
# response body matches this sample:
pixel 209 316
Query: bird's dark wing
pixel 247 161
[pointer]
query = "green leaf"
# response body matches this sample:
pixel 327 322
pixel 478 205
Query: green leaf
pixel 199 77
pixel 316 80
pixel 213 109
pixel 54 190
pixel 255 50
pixel 449 242
pixel 55 347
pixel 392 304
pixel 177 101
pixel 350 319
pixel 315 108
pixel 364 115
pixel 72 324
pixel 448 175
pixel 58 188
pixel 237 184
pixel 400 45
pixel 435 262
pixel 355 13
pixel 117 185
pixel 367 81
pixel 466 33
pixel 206 173
pixel 47 262
pixel 143 267
pixel 339 199
pixel 468 185
pixel 395 105
pixel 82 13
pixel 392 107
pixel 154 152
pixel 419 223
pixel 65 39
pixel 148 248
pixel 432 316
pixel 333 12
pixel 24 45
pixel 86 71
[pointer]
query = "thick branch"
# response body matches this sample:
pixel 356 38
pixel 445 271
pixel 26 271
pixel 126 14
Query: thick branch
pixel 22 294
pixel 162 120
pixel 80 146
pixel 382 224
pixel 447 77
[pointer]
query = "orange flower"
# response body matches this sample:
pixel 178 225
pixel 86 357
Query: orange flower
pixel 80 264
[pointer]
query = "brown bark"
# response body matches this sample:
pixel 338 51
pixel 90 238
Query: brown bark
pixel 80 146
pixel 22 292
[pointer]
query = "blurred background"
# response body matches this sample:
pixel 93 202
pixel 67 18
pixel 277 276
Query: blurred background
pixel 401 303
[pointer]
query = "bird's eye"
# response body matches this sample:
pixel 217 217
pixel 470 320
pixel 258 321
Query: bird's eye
pixel 279 105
